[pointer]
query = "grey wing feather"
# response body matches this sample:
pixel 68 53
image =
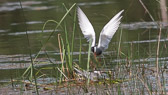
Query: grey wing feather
pixel 86 26
pixel 108 31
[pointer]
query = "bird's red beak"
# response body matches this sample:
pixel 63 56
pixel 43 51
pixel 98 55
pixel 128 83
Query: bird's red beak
pixel 95 56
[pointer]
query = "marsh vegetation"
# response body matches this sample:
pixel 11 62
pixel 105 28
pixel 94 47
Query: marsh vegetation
pixel 44 51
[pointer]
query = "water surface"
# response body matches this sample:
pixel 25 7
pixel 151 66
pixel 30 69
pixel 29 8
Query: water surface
pixel 139 32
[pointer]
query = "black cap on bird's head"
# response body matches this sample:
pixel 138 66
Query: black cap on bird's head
pixel 96 51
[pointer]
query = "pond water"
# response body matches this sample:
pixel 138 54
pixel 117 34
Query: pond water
pixel 138 40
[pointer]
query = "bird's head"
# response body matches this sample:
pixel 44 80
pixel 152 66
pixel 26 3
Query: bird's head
pixel 96 51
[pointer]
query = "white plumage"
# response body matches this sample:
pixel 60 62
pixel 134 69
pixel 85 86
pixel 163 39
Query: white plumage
pixel 86 27
pixel 106 34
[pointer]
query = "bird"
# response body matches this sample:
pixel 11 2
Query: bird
pixel 105 35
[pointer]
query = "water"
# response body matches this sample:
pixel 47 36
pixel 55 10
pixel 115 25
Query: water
pixel 139 32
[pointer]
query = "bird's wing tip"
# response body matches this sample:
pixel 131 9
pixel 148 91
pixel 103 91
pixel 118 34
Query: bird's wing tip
pixel 78 8
pixel 121 11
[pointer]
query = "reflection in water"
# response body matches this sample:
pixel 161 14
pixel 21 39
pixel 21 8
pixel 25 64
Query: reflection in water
pixel 30 22
pixel 31 32
pixel 12 6
pixel 147 41
pixel 145 25
pixel 1 31
pixel 146 60
pixel 95 3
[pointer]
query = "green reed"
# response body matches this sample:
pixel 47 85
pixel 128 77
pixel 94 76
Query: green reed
pixel 70 46
pixel 30 52
pixel 66 47
pixel 88 61
pixel 30 71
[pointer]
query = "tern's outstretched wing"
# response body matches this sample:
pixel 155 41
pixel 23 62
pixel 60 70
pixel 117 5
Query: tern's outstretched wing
pixel 108 31
pixel 86 26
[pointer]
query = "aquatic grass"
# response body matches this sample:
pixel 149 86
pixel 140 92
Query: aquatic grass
pixel 73 34
pixel 58 25
pixel 69 55
pixel 118 51
pixel 146 10
pixel 80 50
pixel 29 48
pixel 158 52
pixel 30 71
pixel 157 63
pixel 127 70
pixel 88 61
pixel 69 47
pixel 63 47
pixel 88 58
pixel 73 31
pixel 62 53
